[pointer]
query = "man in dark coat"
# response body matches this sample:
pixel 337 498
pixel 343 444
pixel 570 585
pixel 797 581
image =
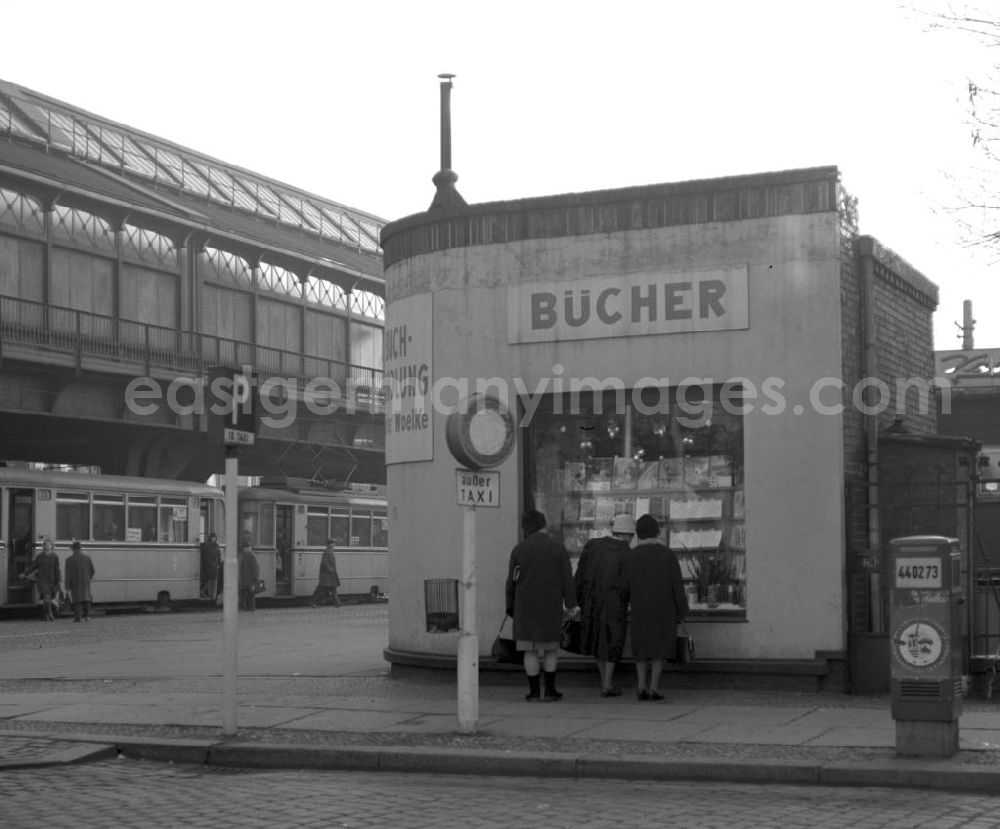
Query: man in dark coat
pixel 539 585
pixel 79 574
pixel 656 590
pixel 600 588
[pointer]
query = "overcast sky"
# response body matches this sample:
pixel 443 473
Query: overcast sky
pixel 341 99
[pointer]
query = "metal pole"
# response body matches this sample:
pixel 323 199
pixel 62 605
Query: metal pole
pixel 230 582
pixel 468 642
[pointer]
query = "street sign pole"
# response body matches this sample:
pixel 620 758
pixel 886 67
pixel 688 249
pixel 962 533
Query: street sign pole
pixel 230 583
pixel 480 434
pixel 468 642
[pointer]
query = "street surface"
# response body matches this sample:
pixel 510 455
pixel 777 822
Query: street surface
pixel 329 650
pixel 125 794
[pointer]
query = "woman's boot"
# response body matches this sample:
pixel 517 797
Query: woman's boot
pixel 534 683
pixel 551 694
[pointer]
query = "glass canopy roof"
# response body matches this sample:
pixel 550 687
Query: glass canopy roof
pixel 55 125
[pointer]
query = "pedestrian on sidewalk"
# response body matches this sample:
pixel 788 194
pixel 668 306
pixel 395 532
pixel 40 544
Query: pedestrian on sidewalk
pixel 539 586
pixel 659 603
pixel 601 591
pixel 211 560
pixel 79 574
pixel 46 569
pixel 329 581
pixel 249 573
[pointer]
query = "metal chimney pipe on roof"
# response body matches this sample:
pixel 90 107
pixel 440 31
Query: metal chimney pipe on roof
pixel 968 324
pixel 446 85
pixel 444 180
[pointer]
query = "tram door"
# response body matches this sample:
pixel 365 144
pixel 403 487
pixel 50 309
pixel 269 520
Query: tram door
pixel 284 538
pixel 20 527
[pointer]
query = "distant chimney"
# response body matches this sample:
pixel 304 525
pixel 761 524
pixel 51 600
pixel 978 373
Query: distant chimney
pixel 968 323
pixel 444 179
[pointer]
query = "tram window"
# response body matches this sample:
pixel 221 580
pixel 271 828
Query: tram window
pixel 248 527
pixel 361 527
pixel 72 516
pixel 340 527
pixel 380 529
pixel 142 517
pixel 316 519
pixel 109 517
pixel 173 519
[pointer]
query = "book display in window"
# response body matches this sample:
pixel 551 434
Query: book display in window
pixel 693 497
pixel 592 464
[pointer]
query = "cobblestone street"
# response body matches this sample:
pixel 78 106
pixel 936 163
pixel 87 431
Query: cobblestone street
pixel 127 794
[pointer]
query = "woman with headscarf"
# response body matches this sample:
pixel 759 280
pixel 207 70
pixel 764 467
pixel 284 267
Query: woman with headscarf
pixel 656 590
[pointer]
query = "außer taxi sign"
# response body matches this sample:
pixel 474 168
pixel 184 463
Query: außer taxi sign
pixel 477 489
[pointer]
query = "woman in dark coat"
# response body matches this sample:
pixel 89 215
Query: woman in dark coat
pixel 656 590
pixel 600 588
pixel 249 572
pixel 211 559
pixel 79 573
pixel 539 585
pixel 329 581
pixel 46 568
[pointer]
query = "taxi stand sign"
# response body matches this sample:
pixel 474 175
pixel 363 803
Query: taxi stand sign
pixel 478 488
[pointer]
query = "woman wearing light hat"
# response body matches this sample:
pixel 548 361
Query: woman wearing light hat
pixel 601 590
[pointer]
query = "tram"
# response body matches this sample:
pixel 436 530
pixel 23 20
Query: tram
pixel 289 526
pixel 143 534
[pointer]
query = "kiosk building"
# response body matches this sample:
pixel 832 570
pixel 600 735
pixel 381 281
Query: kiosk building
pixel 721 354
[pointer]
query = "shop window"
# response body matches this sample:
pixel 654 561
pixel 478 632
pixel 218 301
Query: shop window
pixel 173 519
pixel 316 524
pixel 72 516
pixel 109 517
pixel 674 454
pixel 361 527
pixel 141 522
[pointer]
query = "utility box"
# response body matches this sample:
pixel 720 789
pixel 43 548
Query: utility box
pixel 926 599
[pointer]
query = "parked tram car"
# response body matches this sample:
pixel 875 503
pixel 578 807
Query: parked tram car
pixel 143 534
pixel 289 526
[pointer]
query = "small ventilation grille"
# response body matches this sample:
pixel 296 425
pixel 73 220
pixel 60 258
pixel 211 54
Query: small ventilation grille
pixel 919 689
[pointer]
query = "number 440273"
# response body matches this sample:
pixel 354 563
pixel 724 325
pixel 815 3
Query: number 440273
pixel 918 572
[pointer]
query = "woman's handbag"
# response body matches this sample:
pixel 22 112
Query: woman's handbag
pixel 505 650
pixel 258 586
pixel 570 640
pixel 685 647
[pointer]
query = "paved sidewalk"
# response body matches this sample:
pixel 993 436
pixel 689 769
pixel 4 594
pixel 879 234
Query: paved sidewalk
pixel 315 692
pixel 794 739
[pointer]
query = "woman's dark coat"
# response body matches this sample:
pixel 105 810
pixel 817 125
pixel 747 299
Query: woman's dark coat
pixel 46 566
pixel 656 590
pixel 211 558
pixel 539 582
pixel 249 569
pixel 601 589
pixel 328 570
